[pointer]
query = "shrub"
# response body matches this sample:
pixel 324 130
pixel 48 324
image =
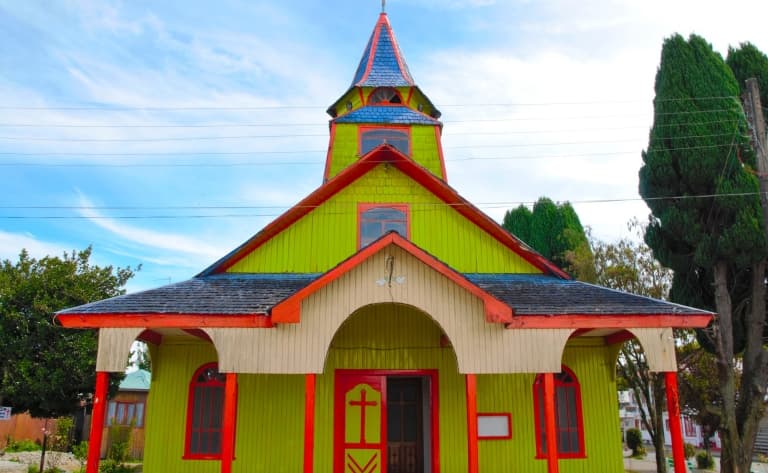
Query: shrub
pixel 688 450
pixel 112 466
pixel 21 446
pixel 704 461
pixel 80 452
pixel 635 442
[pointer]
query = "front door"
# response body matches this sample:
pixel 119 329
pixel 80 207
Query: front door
pixel 380 423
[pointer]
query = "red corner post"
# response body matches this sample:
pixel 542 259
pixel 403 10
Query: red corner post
pixel 228 423
pixel 472 456
pixel 549 422
pixel 309 422
pixel 675 429
pixel 97 422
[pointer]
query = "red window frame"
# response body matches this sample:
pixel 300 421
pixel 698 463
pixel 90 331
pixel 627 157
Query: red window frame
pixel 400 129
pixel 211 428
pixel 538 413
pixel 364 207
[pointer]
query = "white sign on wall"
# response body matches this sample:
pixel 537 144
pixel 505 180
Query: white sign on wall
pixel 5 413
pixel 494 426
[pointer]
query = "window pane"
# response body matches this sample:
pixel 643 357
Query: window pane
pixel 399 227
pixel 129 413
pixel 139 414
pixel 215 442
pixel 217 407
pixel 410 425
pixel 197 407
pixel 394 416
pixel 111 412
pixel 373 138
pixel 120 416
pixel 383 213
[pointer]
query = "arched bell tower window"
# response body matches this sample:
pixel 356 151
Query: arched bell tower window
pixel 385 96
pixel 377 219
pixel 399 138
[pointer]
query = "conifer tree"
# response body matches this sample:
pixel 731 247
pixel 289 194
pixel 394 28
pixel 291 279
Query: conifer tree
pixel 746 62
pixel 706 223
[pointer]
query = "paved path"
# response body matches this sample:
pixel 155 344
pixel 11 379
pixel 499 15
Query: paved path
pixel 649 466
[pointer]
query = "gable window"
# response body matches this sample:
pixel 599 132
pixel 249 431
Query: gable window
pixel 568 420
pixel 384 96
pixel 376 220
pixel 205 409
pixel 399 138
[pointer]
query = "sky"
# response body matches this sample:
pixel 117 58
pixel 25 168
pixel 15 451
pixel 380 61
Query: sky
pixel 164 134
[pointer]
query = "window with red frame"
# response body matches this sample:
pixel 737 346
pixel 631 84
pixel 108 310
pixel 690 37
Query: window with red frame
pixel 568 420
pixel 376 221
pixel 205 411
pixel 400 139
pixel 125 413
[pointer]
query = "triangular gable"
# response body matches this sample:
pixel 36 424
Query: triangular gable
pixel 289 310
pixel 387 154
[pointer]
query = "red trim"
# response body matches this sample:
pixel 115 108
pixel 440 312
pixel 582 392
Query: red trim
pixel 97 421
pixel 150 336
pixel 400 128
pixel 495 414
pixel 379 377
pixel 439 141
pixel 396 49
pixel 388 154
pixel 364 207
pixel 618 337
pixel 196 332
pixel 410 96
pixel 595 321
pixel 472 457
pixel 228 423
pixel 538 386
pixel 328 156
pixel 289 310
pixel 549 423
pixel 362 96
pixel 123 320
pixel 310 382
pixel 675 429
pixel 374 46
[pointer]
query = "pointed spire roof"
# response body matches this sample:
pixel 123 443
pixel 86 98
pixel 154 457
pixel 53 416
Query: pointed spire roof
pixel 382 64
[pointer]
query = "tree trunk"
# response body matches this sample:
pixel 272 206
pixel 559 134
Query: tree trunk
pixel 45 444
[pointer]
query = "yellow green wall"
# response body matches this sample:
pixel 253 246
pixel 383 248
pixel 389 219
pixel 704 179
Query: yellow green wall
pixel 424 149
pixel 328 234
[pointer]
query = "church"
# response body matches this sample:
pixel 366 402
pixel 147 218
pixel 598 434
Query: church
pixel 383 324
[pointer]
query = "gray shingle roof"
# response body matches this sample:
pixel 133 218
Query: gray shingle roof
pixel 234 293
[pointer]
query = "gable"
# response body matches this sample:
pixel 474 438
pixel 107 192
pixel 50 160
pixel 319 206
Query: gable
pixel 328 234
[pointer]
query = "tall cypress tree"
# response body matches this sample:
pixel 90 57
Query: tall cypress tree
pixel 706 223
pixel 746 62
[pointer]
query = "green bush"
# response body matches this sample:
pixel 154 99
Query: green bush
pixel 688 450
pixel 704 461
pixel 80 452
pixel 112 466
pixel 635 442
pixel 22 446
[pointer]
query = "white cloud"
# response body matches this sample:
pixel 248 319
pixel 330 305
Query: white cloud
pixel 11 245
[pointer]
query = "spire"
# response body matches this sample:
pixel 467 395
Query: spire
pixel 382 64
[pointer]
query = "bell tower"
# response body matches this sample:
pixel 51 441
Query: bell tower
pixel 384 106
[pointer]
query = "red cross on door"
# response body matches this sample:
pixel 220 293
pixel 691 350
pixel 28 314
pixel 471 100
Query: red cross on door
pixel 360 443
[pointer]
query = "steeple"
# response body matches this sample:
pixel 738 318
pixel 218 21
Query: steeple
pixel 383 105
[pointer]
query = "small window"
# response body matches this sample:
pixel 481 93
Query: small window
pixel 125 413
pixel 376 221
pixel 205 411
pixel 398 138
pixel 385 95
pixel 568 420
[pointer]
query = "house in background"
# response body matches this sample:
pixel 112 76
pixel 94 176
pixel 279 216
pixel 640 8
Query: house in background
pixel 126 412
pixel 383 324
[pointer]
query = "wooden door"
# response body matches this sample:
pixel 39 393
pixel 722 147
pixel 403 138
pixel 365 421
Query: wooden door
pixel 405 432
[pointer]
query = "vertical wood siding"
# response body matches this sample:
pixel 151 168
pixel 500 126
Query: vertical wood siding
pixel 594 366
pixel 659 347
pixel 346 150
pixel 328 234
pixel 270 416
pixel 114 348
pixel 481 347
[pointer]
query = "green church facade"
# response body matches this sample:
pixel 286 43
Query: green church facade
pixel 382 324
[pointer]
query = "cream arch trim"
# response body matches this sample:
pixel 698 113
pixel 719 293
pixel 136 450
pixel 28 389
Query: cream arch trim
pixel 392 275
pixel 659 347
pixel 115 347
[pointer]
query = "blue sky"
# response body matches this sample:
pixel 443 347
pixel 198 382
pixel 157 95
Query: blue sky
pixel 166 133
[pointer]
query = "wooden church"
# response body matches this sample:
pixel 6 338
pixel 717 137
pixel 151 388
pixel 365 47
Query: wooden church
pixel 383 324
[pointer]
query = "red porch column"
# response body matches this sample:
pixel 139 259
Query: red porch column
pixel 675 429
pixel 549 422
pixel 97 422
pixel 228 423
pixel 471 382
pixel 309 422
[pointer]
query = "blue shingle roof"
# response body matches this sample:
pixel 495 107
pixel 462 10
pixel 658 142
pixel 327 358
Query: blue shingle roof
pixel 382 63
pixel 383 114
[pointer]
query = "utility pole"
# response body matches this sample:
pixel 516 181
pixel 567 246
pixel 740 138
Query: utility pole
pixel 754 111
